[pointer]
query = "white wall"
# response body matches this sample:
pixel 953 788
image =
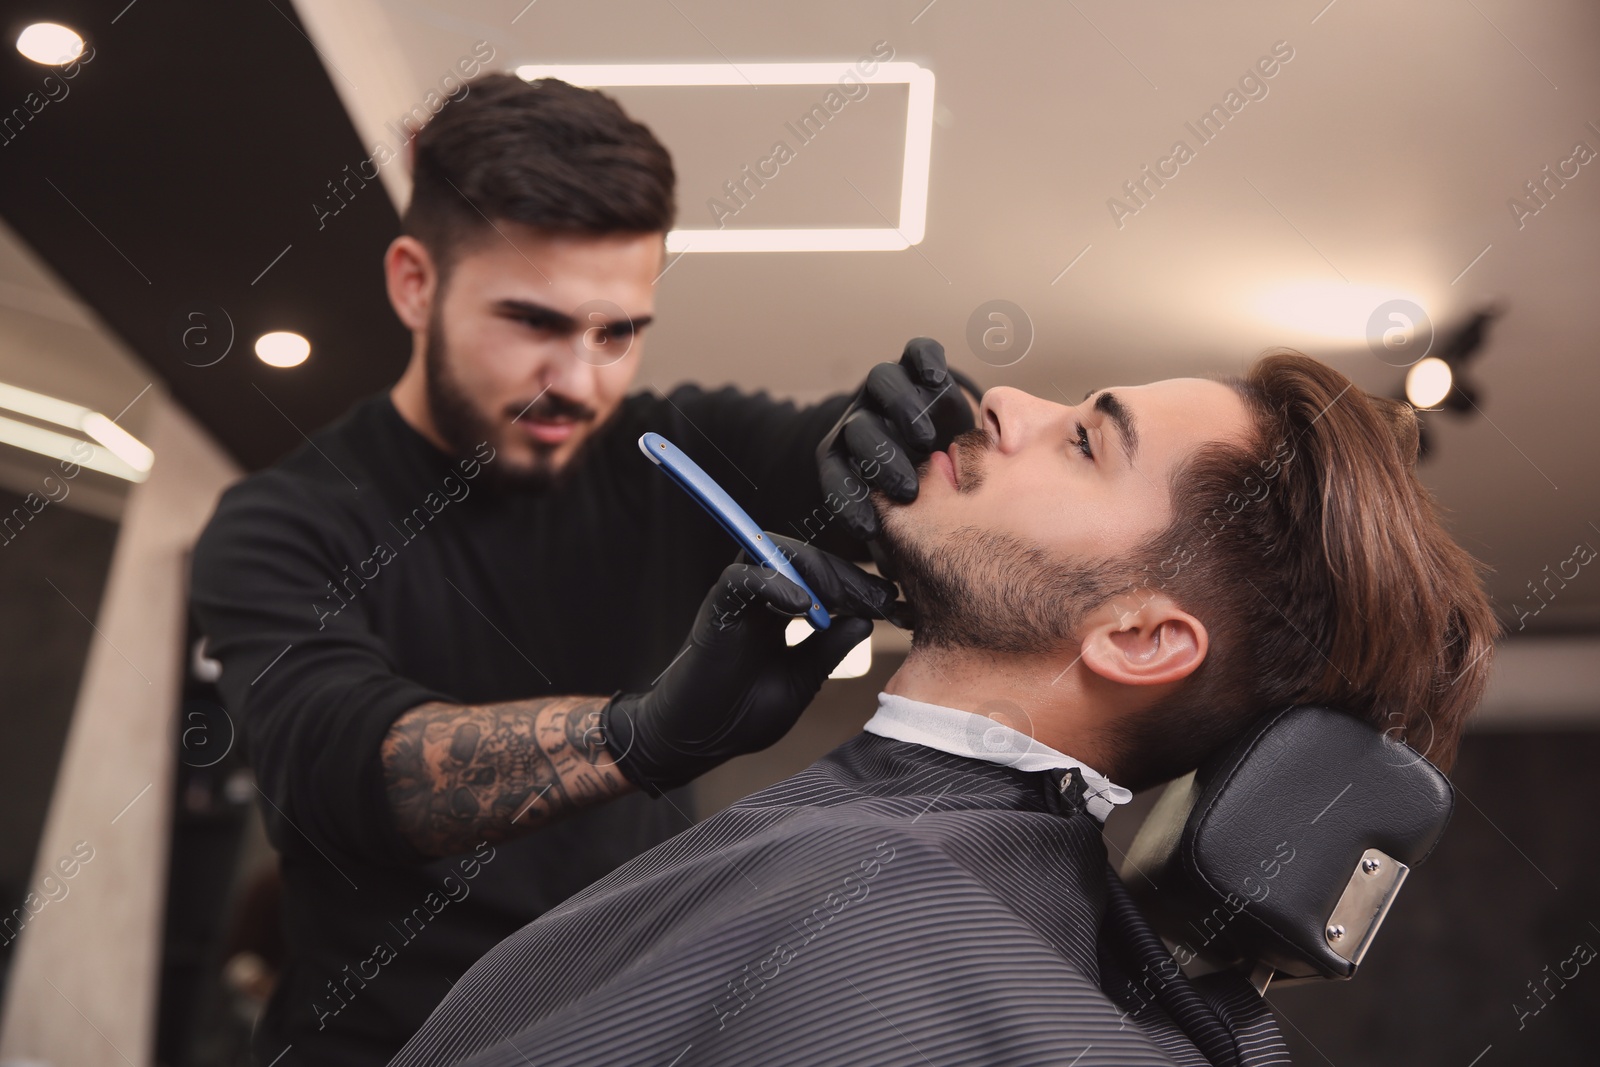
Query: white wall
pixel 83 985
pixel 1543 683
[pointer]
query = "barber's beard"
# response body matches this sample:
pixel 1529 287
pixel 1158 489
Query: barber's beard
pixel 979 590
pixel 464 426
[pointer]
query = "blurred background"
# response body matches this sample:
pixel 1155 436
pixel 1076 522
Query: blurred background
pixel 1411 194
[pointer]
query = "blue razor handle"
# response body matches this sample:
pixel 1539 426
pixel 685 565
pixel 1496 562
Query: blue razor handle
pixel 730 516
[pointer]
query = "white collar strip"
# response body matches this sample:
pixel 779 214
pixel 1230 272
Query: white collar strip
pixel 962 733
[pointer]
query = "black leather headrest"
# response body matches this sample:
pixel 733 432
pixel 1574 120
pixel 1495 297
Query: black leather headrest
pixel 1286 847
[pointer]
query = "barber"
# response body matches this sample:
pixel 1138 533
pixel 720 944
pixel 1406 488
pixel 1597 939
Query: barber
pixel 473 642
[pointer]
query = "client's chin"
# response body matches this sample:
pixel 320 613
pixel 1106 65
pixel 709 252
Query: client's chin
pixel 983 590
pixel 941 600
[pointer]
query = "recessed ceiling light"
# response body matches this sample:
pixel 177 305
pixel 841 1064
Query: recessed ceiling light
pixel 281 348
pixel 49 43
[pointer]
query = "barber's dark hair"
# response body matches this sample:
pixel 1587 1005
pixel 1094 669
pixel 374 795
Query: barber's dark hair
pixel 543 153
pixel 1319 565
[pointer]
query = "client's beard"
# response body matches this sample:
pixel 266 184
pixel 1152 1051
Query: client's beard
pixel 991 592
pixel 463 427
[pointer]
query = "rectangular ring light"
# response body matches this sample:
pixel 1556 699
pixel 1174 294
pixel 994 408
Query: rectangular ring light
pixel 913 174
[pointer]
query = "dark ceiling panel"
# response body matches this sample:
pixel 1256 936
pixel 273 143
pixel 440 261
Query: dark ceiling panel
pixel 167 176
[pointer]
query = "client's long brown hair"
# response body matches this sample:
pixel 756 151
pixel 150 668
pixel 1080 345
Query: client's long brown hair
pixel 1323 573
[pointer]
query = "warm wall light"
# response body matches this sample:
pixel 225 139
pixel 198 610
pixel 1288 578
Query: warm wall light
pixel 128 458
pixel 1329 309
pixel 913 174
pixel 282 348
pixel 51 44
pixel 41 407
pixel 65 448
pixel 126 447
pixel 856 662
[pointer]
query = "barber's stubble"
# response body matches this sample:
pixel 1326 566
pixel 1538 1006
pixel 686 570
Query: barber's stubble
pixel 464 426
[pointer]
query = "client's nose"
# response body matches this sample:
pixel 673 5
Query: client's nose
pixel 1013 417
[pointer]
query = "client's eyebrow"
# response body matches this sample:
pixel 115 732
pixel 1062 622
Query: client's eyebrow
pixel 1111 406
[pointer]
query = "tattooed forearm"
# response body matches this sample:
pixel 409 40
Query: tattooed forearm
pixel 457 775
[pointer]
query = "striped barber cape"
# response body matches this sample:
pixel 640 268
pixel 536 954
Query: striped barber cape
pixel 891 904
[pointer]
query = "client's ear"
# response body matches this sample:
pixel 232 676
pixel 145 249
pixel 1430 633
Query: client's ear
pixel 1155 644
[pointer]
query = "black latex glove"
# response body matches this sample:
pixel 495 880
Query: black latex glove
pixel 904 412
pixel 736 687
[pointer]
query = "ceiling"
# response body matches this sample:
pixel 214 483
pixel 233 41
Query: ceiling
pixel 1379 161
pixel 174 177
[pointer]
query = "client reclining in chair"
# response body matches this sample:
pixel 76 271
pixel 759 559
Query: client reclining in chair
pixel 1105 594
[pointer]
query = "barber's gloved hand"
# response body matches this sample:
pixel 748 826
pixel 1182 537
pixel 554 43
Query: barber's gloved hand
pixel 903 413
pixel 736 687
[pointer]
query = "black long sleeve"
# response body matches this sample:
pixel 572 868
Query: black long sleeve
pixel 368 573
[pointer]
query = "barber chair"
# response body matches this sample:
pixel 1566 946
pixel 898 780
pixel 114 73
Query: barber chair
pixel 1284 851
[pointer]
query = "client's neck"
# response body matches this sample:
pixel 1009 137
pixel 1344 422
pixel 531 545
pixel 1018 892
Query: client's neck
pixel 1032 694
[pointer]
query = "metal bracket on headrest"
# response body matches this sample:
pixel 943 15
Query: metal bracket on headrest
pixel 1364 903
pixel 1361 909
